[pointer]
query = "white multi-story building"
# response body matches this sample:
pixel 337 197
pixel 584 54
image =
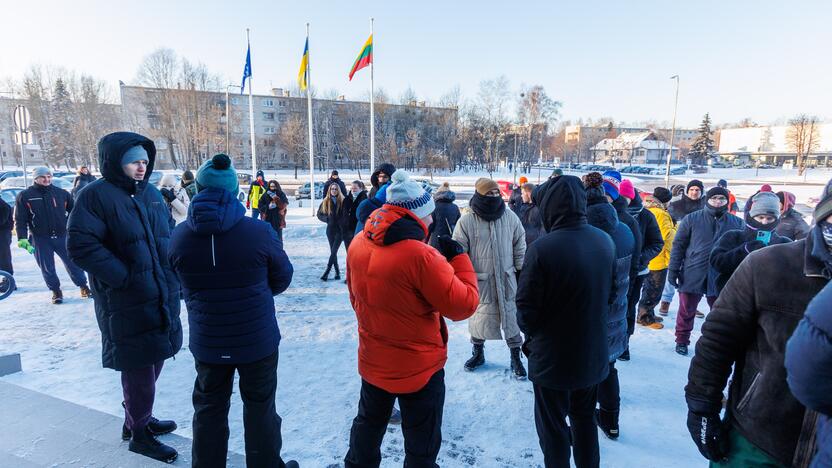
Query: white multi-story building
pixel 770 145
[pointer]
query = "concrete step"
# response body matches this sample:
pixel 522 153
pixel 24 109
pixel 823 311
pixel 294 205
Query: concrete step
pixel 43 431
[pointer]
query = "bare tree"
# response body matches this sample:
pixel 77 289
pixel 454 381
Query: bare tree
pixel 293 138
pixel 803 137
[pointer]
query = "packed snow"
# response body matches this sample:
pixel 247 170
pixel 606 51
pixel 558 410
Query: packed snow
pixel 488 420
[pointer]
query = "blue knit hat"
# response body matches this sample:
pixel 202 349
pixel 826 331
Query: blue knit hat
pixel 612 180
pixel 407 193
pixel 217 172
pixel 136 153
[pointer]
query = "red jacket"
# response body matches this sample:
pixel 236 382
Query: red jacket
pixel 401 288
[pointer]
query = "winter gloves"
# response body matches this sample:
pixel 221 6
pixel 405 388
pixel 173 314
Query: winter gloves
pixel 449 247
pixel 25 245
pixel 710 436
pixel 674 278
pixel 168 194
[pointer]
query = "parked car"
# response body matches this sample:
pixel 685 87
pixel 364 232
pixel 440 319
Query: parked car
pixel 698 169
pixel 678 170
pixel 428 185
pixel 626 169
pixel 720 165
pixel 244 179
pixel 7 174
pixel 9 195
pixel 18 182
pixel 303 191
pixel 767 166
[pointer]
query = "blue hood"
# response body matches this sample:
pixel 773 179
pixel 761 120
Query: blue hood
pixel 603 216
pixel 214 210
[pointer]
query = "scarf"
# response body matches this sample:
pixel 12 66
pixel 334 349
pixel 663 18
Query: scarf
pixel 826 230
pixel 488 208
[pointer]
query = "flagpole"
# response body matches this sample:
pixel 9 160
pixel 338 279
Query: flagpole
pixel 251 116
pixel 309 122
pixel 372 101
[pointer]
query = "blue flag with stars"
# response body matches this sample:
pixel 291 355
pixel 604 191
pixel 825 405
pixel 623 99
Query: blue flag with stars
pixel 246 70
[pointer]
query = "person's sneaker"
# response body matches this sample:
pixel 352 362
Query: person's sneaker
pixel 517 365
pixel 154 426
pixel 477 358
pixel 57 297
pixel 700 314
pixel 625 356
pixel 608 423
pixel 85 292
pixel 682 349
pixel 145 443
pixel 395 416
pixel 664 308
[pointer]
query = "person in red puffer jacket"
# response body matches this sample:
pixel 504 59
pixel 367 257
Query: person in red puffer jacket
pixel 402 289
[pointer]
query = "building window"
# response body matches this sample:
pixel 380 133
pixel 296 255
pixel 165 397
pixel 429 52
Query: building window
pixel 235 101
pixel 282 103
pixel 268 130
pixel 268 102
pixel 268 115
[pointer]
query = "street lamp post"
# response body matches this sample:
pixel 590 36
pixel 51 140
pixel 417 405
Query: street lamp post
pixel 228 119
pixel 672 133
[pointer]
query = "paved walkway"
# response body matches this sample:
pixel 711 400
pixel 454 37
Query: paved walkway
pixel 42 431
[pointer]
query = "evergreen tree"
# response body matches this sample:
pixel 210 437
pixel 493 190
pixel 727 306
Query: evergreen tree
pixel 703 146
pixel 62 147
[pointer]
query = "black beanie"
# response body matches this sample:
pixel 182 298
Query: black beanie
pixel 824 207
pixel 716 191
pixel 662 194
pixel 695 183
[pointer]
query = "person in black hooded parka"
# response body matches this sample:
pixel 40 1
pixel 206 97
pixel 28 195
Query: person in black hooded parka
pixel 566 279
pixel 445 216
pixel 118 233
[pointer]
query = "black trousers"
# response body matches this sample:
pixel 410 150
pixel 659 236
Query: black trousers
pixel 550 410
pixel 609 391
pixel 421 424
pixel 633 295
pixel 334 237
pixel 212 399
pixel 651 293
pixel 6 252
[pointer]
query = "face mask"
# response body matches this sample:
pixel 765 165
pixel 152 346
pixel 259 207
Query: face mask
pixel 826 230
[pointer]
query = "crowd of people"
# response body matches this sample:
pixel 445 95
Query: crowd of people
pixel 563 272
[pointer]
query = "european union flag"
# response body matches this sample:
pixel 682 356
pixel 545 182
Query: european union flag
pixel 246 70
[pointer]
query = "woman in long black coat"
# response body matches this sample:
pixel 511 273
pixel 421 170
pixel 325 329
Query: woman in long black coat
pixel 445 215
pixel 272 207
pixel 332 212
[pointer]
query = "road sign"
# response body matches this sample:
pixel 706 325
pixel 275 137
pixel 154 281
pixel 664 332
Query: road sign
pixel 27 138
pixel 21 118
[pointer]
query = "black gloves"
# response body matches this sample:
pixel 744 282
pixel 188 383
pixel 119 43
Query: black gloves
pixel 751 246
pixel 168 194
pixel 710 436
pixel 674 278
pixel 449 247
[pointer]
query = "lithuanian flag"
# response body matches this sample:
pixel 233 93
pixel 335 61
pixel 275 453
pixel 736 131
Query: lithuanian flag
pixel 365 57
pixel 303 75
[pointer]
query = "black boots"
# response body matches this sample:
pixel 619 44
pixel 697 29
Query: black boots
pixel 608 422
pixel 682 349
pixel 517 365
pixel 325 276
pixel 625 356
pixel 477 358
pixel 85 292
pixel 145 443
pixel 57 297
pixel 154 426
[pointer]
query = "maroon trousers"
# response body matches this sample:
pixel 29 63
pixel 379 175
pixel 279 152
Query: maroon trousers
pixel 139 387
pixel 688 302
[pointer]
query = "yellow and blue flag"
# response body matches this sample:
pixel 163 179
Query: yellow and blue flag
pixel 303 74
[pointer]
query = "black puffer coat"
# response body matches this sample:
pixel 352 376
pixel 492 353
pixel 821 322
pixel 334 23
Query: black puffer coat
pixel 745 334
pixel 732 248
pixel 42 211
pixel 620 205
pixel 652 242
pixel 566 279
pixel 118 233
pixel 445 216
pixel 684 206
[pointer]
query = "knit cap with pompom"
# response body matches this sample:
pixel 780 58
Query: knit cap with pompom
pixel 409 194
pixel 217 172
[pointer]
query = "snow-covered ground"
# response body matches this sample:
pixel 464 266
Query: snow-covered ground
pixel 489 419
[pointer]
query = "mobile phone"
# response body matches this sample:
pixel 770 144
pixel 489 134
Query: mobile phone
pixel 764 236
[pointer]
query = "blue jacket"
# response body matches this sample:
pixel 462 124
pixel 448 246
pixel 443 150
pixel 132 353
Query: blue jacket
pixel 604 217
pixel 696 236
pixel 230 267
pixel 809 367
pixel 366 208
pixel 119 231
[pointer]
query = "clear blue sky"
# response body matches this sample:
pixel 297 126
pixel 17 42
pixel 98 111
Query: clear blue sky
pixel 760 59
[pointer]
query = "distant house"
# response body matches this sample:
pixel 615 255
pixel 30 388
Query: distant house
pixel 634 148
pixel 770 145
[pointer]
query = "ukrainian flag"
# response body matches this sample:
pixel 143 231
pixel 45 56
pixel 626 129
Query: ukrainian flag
pixel 303 74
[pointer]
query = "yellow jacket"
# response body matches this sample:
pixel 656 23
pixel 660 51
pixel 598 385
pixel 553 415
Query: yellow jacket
pixel 255 193
pixel 668 229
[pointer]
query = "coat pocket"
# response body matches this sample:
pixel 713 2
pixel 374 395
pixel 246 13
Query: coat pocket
pixel 749 394
pixel 510 284
pixel 485 285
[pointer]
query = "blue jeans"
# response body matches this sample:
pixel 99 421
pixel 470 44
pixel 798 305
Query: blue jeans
pixel 45 250
pixel 669 291
pixel 255 213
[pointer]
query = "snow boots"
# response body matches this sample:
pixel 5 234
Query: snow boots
pixel 625 356
pixel 648 319
pixel 682 349
pixel 477 358
pixel 608 422
pixel 57 297
pixel 85 292
pixel 664 308
pixel 517 365
pixel 145 443
pixel 154 426
pixel 700 314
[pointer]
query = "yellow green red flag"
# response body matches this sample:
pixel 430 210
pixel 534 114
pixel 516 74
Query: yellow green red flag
pixel 365 57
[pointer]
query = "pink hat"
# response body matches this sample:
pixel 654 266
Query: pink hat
pixel 765 188
pixel 626 189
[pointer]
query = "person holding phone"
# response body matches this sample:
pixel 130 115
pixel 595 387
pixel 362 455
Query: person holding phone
pixel 732 248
